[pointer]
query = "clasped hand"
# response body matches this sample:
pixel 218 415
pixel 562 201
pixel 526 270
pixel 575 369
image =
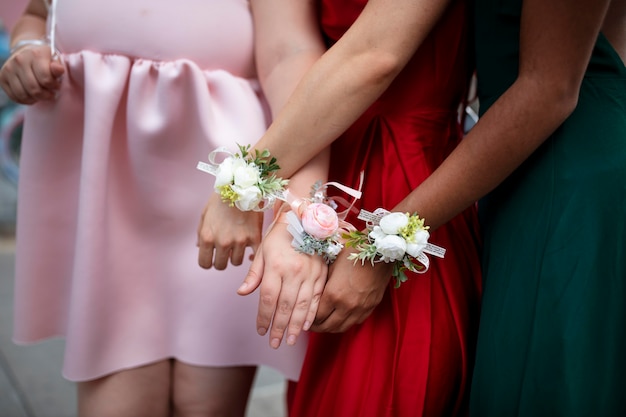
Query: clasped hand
pixel 295 294
pixel 31 75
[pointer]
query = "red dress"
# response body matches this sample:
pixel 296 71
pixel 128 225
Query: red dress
pixel 413 356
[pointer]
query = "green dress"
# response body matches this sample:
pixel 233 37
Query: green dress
pixel 552 339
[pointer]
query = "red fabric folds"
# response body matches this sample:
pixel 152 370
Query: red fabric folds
pixel 413 355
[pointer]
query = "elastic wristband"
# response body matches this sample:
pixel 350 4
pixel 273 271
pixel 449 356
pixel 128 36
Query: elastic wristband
pixel 28 42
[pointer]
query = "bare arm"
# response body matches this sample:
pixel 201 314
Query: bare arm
pixel 331 96
pixel 287 42
pixel 556 43
pixel 339 86
pixel 32 23
pixel 349 78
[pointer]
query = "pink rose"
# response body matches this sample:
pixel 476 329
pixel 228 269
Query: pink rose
pixel 320 220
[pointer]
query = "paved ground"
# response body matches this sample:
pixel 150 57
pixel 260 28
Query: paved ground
pixel 30 376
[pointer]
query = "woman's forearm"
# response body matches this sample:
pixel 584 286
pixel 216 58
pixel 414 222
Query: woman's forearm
pixel 348 79
pixel 556 46
pixel 32 24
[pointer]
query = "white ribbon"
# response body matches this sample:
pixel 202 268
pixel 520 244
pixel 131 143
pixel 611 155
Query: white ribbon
pixel 212 166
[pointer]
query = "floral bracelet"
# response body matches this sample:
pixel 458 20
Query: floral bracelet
pixel 314 223
pixel 400 238
pixel 245 180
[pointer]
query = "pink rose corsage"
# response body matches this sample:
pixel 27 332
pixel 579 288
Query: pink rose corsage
pixel 314 223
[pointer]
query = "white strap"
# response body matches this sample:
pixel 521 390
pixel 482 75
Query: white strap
pixel 52 28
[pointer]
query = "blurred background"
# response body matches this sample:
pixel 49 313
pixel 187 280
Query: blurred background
pixel 10 127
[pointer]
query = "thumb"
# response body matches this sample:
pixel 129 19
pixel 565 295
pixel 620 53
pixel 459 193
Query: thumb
pixel 256 251
pixel 254 276
pixel 56 68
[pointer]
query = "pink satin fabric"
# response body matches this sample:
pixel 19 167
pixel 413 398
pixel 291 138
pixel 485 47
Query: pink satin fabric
pixel 110 197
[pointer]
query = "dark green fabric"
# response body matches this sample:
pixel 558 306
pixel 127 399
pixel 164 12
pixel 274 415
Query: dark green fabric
pixel 552 338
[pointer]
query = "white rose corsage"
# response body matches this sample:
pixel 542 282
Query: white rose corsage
pixel 314 223
pixel 401 238
pixel 245 180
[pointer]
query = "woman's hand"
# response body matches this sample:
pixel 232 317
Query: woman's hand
pixel 351 293
pixel 225 232
pixel 31 75
pixel 290 286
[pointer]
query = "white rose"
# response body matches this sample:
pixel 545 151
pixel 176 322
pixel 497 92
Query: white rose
pixel 391 247
pixel 377 233
pixel 249 197
pixel 393 222
pixel 224 173
pixel 245 175
pixel 418 243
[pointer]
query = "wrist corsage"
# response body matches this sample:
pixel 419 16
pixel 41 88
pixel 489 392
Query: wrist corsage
pixel 315 225
pixel 245 180
pixel 400 238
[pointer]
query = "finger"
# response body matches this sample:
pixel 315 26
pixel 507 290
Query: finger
pixel 318 288
pixel 268 296
pixel 39 61
pixel 254 276
pixel 28 78
pixel 43 74
pixel 255 248
pixel 57 69
pixel 205 256
pixel 237 253
pixel 342 320
pixel 332 323
pixel 325 308
pixel 17 92
pixel 285 305
pixel 322 326
pixel 300 312
pixel 222 254
pixel 205 248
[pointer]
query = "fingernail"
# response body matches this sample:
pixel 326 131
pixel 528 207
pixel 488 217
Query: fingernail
pixel 275 343
pixel 261 331
pixel 291 340
pixel 307 325
pixel 243 286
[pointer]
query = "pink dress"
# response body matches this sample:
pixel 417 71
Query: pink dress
pixel 110 197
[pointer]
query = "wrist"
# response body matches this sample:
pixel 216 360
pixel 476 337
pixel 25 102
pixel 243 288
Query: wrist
pixel 282 218
pixel 21 44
